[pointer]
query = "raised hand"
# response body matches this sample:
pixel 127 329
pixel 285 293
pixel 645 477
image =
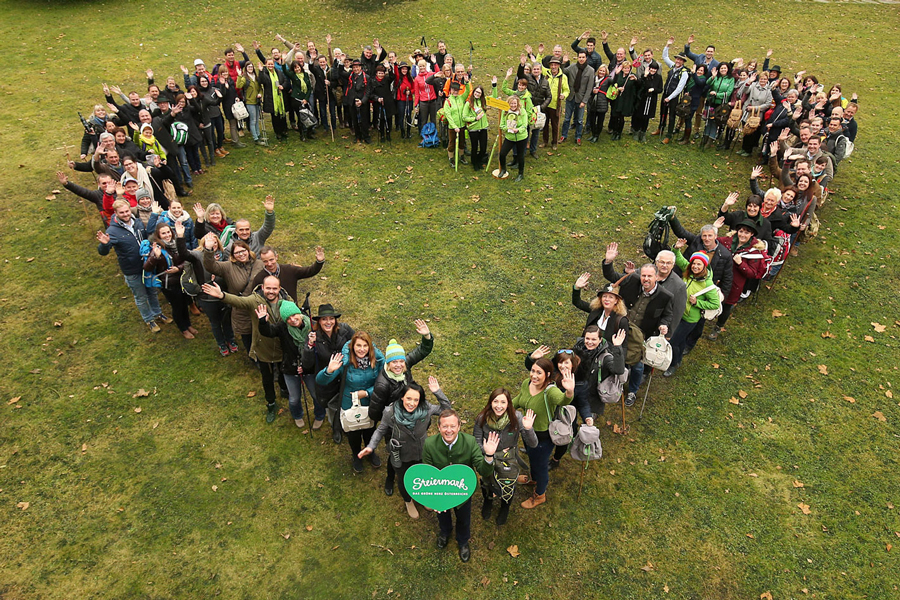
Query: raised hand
pixel 184 69
pixel 328 38
pixel 773 148
pixel 541 48
pixel 756 172
pixel 256 45
pixel 120 190
pixel 156 251
pixel 681 243
pixel 690 39
pixel 528 49
pixel 238 47
pixel 670 41
pixel 629 267
pixel 149 73
pixel 209 241
pixel 509 72
pixel 199 211
pixel 568 382
pixel 619 337
pixel 522 59
pixel 565 58
pixel 433 384
pixel 540 352
pixel 582 281
pixel 103 237
pixel 634 41
pixel 63 178
pixel 491 443
pixel 262 311
pixel 421 327
pixel 732 198
pixel 116 89
pixel 269 203
pixel 179 229
pixel 528 419
pixel 612 251
pixel 795 220
pixel 336 362
pixel 494 80
pixel 769 53
pixel 320 253
pixel 718 223
pixel 604 36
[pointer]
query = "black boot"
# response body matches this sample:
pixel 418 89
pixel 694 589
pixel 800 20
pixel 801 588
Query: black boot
pixel 503 513
pixel 488 505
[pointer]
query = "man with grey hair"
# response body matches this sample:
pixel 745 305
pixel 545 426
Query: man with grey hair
pixel 649 306
pixel 255 239
pixel 672 283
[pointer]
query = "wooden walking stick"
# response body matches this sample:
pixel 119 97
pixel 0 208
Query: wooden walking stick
pixel 456 151
pixel 328 113
pixel 581 482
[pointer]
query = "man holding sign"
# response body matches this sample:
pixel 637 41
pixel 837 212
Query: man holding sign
pixel 453 447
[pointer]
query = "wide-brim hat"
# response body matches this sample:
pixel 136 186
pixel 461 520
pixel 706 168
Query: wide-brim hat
pixel 776 68
pixel 682 56
pixel 749 225
pixel 610 289
pixel 402 64
pixel 326 310
pixel 556 60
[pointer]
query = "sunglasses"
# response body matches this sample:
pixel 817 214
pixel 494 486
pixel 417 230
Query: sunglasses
pixel 565 352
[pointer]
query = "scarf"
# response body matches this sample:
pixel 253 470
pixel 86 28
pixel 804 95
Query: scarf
pixel 393 376
pixel 363 362
pixel 277 99
pixel 409 419
pixel 170 245
pixel 766 212
pixel 497 424
pixel 220 226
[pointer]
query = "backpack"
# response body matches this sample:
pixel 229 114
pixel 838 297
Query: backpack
pixel 610 389
pixel 561 429
pixel 734 117
pixel 849 147
pixel 722 114
pixel 634 352
pixel 711 313
pixel 179 132
pixel 151 280
pixel 683 109
pixel 429 136
pixel 239 111
pixel 226 235
pixel 506 470
pixel 657 238
pixel 586 445
pixel 189 283
pixel 658 352
pixel 753 121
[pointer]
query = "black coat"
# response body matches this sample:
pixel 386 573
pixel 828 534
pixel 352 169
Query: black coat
pixel 612 326
pixel 358 87
pixel 291 355
pixel 382 90
pixel 647 100
pixel 265 80
pixel 659 308
pixel 316 358
pixel 624 103
pixel 719 262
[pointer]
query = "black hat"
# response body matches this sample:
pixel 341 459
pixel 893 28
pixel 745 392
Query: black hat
pixel 356 61
pixel 164 96
pixel 326 310
pixel 402 64
pixel 682 56
pixel 749 225
pixel 776 68
pixel 610 289
pixel 381 68
pixel 653 65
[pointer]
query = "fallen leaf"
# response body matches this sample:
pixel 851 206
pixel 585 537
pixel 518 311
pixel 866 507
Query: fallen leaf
pixel 734 400
pixel 215 488
pixel 878 415
pixel 804 508
pixel 14 400
pixel 742 393
pixel 798 484
pixel 513 551
pixel 889 394
pixel 155 425
pixel 35 371
pixel 286 536
pixel 59 324
pixel 648 567
pixel 765 596
pixel 140 393
pixel 666 588
pixel 309 527
pixel 289 164
pixel 30 259
pixel 828 334
pixel 138 409
pixel 84 447
pixel 850 399
pixel 750 535
pixel 869 338
pixel 879 328
pixel 888 547
pixel 251 394
pixel 485 581
pixel 777 313
pixel 715 366
pixel 823 369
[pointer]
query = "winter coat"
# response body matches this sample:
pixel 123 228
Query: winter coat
pixel 473 121
pixel 358 87
pixel 257 238
pixel 521 125
pixel 465 451
pixel 289 275
pixel 291 354
pixel 386 390
pixel 412 441
pixel 752 268
pixel 383 90
pixel 707 301
pixel 555 398
pixel 586 83
pixel 539 87
pixel 646 100
pixel 719 262
pixel 195 258
pixel 265 83
pixel 509 437
pixel 238 277
pixel 559 86
pixel 355 379
pixel 454 112
pixel 592 370
pixel 659 306
pixel 264 349
pixel 127 244
pixel 188 223
pixel 628 91
pixel 159 265
pixel 614 323
pixel 252 89
pixel 317 357
pixel 719 90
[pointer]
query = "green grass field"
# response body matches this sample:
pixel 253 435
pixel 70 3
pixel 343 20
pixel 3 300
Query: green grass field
pixel 195 497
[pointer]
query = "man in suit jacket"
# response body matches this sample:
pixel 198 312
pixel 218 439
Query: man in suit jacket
pixel 453 447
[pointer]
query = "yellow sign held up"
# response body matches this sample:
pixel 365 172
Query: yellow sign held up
pixel 497 103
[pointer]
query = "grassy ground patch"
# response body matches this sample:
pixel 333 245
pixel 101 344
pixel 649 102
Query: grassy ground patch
pixel 703 499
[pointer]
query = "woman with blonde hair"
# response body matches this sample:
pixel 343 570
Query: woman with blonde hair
pixel 607 310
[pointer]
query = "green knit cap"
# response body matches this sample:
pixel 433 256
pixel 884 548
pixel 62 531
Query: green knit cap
pixel 394 351
pixel 288 309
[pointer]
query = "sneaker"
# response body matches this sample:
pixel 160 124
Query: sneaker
pixel 300 423
pixel 357 464
pixel 233 347
pixel 317 424
pixel 578 141
pixel 715 333
pixel 260 143
pixel 164 318
pixel 375 460
pixel 464 553
pixel 630 398
pixel 463 161
pixel 670 371
pixel 223 350
pixel 562 140
pixel 152 326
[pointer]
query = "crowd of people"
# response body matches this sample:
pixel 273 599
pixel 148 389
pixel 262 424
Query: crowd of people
pixel 145 152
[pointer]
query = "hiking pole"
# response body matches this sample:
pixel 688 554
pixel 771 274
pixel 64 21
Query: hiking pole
pixel 328 114
pixel 456 151
pixel 646 393
pixel 471 50
pixel 305 404
pixel 386 125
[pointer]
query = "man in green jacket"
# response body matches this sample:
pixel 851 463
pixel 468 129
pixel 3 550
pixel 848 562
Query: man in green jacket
pixel 454 109
pixel 266 351
pixel 453 447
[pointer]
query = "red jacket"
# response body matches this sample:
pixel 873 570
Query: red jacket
pixel 750 268
pixel 423 91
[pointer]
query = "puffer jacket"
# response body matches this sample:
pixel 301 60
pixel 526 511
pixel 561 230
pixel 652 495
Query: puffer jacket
pixel 239 278
pixel 354 378
pixel 387 390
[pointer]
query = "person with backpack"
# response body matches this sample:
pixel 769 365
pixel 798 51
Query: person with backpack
pixel 162 271
pixel 600 376
pixel 538 394
pixel 404 426
pixel 328 337
pixel 649 310
pixel 357 366
pixel 719 88
pixel 674 85
pixel 217 312
pixel 702 295
pixel 509 424
pixel 393 378
pixel 292 330
pixel 454 447
pixel 626 86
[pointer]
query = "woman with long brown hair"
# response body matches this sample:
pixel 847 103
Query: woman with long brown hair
pixel 475 116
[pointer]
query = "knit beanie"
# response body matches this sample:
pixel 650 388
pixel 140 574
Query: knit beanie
pixel 288 309
pixel 701 256
pixel 394 351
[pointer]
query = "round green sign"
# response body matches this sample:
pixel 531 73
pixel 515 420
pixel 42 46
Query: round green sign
pixel 440 489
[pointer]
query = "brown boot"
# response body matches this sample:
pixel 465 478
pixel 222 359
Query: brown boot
pixel 535 500
pixel 657 132
pixel 687 136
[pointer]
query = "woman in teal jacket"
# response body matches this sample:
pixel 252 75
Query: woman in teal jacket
pixel 514 125
pixel 359 363
pixel 702 294
pixel 475 116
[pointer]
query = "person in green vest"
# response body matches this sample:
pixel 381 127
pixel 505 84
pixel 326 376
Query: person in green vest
pixel 514 125
pixel 475 116
pixel 454 112
pixel 559 90
pixel 454 447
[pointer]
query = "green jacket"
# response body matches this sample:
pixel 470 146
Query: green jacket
pixel 555 88
pixel 473 122
pixel 465 451
pixel 252 89
pixel 708 301
pixel 454 111
pixel 263 349
pixel 720 89
pixel 521 125
pixel 524 97
pixel 555 397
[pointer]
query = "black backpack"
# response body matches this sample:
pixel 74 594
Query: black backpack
pixel 657 238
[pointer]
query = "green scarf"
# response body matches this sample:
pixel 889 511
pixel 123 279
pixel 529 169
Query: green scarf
pixel 277 99
pixel 409 419
pixel 300 335
pixel 736 244
pixel 391 375
pixel 497 424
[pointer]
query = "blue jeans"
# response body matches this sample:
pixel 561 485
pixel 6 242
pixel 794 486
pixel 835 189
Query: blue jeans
pixel 679 339
pixel 185 167
pixel 635 376
pixel 539 458
pixel 294 388
pixel 573 109
pixel 533 144
pixel 219 315
pixel 318 408
pixel 146 299
pixel 323 108
pixel 253 109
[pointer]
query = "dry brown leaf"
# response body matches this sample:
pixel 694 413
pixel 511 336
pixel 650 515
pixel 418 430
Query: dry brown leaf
pixel 888 547
pixel 742 394
pixel 513 551
pixel 23 505
pixel 485 581
pixel 878 415
pixel 850 399
pixel 804 508
pixel 14 400
pixel 869 338
pixel 777 313
pixel 750 535
pixel 138 409
pixel 140 393
pixel 215 488
pixel 648 567
pixel 666 588
pixel 765 596
pixel 84 447
pixel 879 328
pixel 59 324
pixel 289 164
pixel 734 400
pixel 155 425
pixel 251 394
pixel 286 536
pixel 823 369
pixel 798 484
pixel 889 394
pixel 309 527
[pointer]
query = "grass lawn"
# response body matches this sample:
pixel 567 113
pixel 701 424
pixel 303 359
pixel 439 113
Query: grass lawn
pixel 186 493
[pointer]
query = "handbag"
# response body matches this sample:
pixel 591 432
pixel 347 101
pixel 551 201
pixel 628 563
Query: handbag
pixel 753 121
pixel 356 417
pixel 734 117
pixel 307 117
pixel 721 114
pixel 711 313
pixel 657 352
pixel 540 119
pixel 239 111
